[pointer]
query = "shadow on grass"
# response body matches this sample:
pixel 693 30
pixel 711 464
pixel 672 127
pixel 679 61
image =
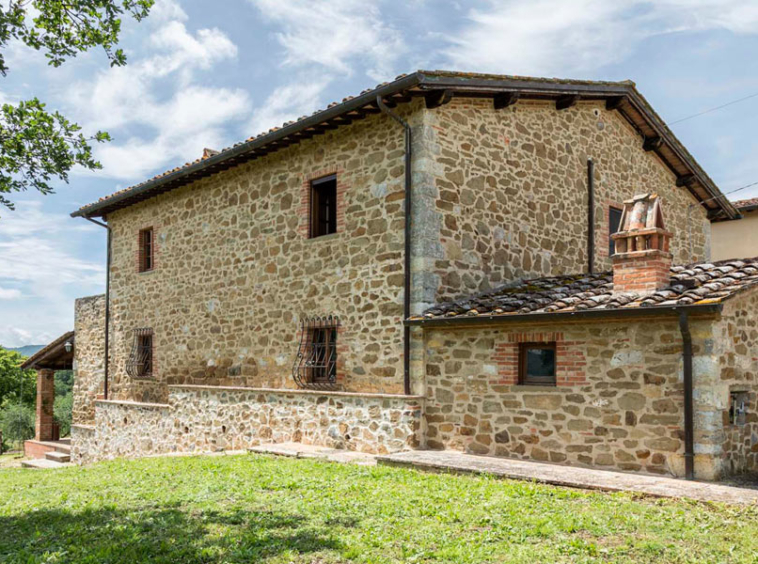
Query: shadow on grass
pixel 157 535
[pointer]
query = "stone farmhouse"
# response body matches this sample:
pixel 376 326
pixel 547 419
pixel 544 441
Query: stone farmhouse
pixel 737 238
pixel 500 265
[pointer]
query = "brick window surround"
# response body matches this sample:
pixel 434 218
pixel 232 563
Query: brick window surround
pixel 304 209
pixel 570 362
pixel 140 258
pixel 605 232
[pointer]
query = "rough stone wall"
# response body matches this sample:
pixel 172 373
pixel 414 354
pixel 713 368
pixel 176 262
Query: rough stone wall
pixel 618 403
pixel 206 419
pixel 235 271
pixel 737 350
pixel 510 193
pixel 89 350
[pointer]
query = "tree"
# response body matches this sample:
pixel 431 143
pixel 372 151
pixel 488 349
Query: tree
pixel 16 385
pixel 36 145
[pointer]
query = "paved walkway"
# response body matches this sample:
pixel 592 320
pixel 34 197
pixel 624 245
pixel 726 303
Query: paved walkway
pixel 568 476
pixel 585 478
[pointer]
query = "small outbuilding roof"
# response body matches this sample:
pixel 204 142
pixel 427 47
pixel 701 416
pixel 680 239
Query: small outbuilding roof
pixel 54 356
pixel 746 205
pixel 693 285
pixel 438 87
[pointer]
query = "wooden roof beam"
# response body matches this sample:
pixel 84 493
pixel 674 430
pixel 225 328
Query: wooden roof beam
pixel 652 143
pixel 614 102
pixel 685 180
pixel 504 99
pixel 437 98
pixel 565 102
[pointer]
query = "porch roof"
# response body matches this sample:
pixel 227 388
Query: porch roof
pixel 53 356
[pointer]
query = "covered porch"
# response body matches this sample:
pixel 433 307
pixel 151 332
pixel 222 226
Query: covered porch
pixel 47 443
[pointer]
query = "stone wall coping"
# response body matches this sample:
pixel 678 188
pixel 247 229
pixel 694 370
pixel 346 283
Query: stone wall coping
pixel 523 388
pixel 284 391
pixel 83 427
pixel 134 404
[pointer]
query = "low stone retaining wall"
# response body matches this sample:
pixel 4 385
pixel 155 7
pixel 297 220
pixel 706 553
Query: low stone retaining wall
pixel 206 419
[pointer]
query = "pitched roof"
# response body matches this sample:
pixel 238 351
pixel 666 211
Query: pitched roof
pixel 693 285
pixel 622 96
pixel 53 350
pixel 746 205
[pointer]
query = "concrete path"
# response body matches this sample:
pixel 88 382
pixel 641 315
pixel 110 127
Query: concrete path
pixel 585 478
pixel 298 450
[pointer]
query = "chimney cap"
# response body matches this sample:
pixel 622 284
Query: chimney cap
pixel 207 153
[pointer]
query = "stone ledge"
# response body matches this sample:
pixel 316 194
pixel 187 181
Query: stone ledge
pixel 541 389
pixel 285 391
pixel 128 403
pixel 83 427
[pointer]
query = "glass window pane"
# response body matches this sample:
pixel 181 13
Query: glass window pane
pixel 540 363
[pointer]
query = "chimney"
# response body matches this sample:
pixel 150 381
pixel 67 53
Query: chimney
pixel 641 261
pixel 207 153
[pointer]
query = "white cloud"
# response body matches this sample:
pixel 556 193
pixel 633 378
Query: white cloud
pixel 18 337
pixel 335 35
pixel 9 293
pixel 171 126
pixel 288 102
pixel 555 37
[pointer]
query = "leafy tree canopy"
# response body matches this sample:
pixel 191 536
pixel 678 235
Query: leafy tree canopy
pixel 16 385
pixel 37 146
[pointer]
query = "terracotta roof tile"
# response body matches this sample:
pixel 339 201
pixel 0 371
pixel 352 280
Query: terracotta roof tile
pixel 749 203
pixel 689 285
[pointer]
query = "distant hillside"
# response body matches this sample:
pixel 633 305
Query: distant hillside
pixel 27 350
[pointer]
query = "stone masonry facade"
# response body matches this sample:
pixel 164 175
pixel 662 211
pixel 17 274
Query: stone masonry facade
pixel 89 325
pixel 617 403
pixel 206 419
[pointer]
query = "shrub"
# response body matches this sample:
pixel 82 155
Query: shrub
pixel 62 413
pixel 17 422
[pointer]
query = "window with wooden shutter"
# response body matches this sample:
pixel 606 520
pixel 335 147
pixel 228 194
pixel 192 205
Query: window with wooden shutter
pixel 146 250
pixel 323 206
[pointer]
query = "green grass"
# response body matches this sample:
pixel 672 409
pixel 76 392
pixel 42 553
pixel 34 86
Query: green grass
pixel 253 508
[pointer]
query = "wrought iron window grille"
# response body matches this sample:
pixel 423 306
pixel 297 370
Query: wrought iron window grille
pixel 140 362
pixel 316 361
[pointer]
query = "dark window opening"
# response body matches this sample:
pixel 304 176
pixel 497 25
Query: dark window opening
pixel 316 361
pixel 146 254
pixel 537 364
pixel 140 363
pixel 738 408
pixel 324 206
pixel 614 224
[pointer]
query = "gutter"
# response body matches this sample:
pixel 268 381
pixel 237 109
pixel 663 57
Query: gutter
pixel 591 215
pixel 689 423
pixel 107 304
pixel 562 316
pixel 408 230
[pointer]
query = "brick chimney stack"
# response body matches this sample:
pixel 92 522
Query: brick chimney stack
pixel 642 261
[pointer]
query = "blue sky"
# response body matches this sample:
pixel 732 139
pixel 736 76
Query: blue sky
pixel 208 74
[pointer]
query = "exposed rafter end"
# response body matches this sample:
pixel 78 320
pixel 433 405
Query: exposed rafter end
pixel 437 98
pixel 652 143
pixel 505 99
pixel 685 180
pixel 614 102
pixel 565 102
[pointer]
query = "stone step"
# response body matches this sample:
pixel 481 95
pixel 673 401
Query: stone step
pixel 299 450
pixel 59 446
pixel 58 456
pixel 43 464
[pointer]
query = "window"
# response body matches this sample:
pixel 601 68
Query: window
pixel 614 224
pixel 316 362
pixel 146 254
pixel 537 364
pixel 324 206
pixel 738 408
pixel 140 363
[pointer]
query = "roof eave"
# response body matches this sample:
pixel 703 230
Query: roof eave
pixel 564 316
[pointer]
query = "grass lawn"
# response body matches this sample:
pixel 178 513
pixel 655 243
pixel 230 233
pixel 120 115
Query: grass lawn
pixel 254 508
pixel 11 460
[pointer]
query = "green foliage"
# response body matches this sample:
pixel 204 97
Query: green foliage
pixel 36 145
pixel 62 413
pixel 16 385
pixel 17 423
pixel 64 382
pixel 253 508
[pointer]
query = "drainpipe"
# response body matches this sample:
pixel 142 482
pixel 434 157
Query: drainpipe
pixel 689 426
pixel 408 224
pixel 591 214
pixel 107 304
